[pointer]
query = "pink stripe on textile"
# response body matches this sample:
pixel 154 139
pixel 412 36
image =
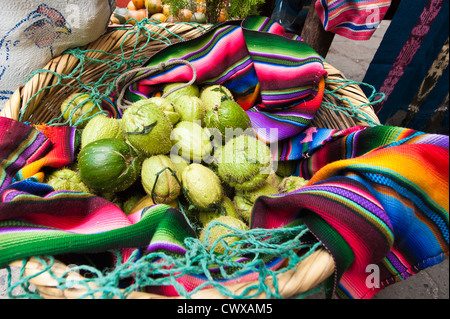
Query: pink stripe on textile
pixel 368 196
pixel 276 28
pixel 106 217
pixel 356 20
pixel 359 12
pixel 401 258
pixel 360 248
pixel 357 285
pixel 282 76
pixel 220 53
pixel 369 22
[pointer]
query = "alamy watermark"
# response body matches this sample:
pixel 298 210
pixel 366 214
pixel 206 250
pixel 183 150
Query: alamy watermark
pixel 373 277
pixel 373 16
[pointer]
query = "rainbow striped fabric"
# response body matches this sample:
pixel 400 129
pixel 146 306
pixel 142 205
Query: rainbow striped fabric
pixel 32 150
pixel 276 77
pixel 376 197
pixel 354 19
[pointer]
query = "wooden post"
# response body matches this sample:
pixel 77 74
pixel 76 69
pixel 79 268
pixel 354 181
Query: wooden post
pixel 314 34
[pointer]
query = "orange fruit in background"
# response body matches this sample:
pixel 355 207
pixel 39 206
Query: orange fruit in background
pixel 143 12
pixel 166 10
pixel 185 15
pixel 201 6
pixel 223 16
pixel 159 16
pixel 139 4
pixel 172 18
pixel 201 9
pixel 138 15
pixel 153 6
pixel 131 6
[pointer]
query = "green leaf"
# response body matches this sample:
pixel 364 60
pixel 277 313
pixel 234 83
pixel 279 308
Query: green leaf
pixel 147 129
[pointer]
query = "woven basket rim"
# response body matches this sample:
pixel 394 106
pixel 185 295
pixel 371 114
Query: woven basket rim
pixel 308 273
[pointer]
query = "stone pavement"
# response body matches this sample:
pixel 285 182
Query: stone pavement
pixel 353 58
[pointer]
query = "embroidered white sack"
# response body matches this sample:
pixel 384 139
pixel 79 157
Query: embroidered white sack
pixel 32 32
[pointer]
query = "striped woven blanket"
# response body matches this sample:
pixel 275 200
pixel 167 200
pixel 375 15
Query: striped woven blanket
pixel 376 197
pixel 384 192
pixel 354 19
pixel 275 76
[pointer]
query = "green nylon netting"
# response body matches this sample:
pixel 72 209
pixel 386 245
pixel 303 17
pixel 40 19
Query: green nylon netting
pixel 116 63
pixel 284 243
pixel 349 108
pixel 152 269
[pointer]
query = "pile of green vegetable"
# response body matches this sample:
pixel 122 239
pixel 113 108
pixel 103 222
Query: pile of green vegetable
pixel 192 149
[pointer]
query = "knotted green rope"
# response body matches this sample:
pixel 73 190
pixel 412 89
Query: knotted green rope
pixel 348 108
pixel 159 268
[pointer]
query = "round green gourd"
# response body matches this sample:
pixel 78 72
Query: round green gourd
pixel 229 118
pixel 244 163
pixel 202 186
pixel 214 95
pixel 108 165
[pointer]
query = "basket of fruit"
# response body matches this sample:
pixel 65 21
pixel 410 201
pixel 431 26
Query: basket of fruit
pixel 157 199
pixel 196 11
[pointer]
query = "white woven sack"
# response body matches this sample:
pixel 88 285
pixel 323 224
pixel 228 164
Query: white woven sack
pixel 32 32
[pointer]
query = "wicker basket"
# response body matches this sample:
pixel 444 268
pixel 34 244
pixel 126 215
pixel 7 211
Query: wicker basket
pixel 27 105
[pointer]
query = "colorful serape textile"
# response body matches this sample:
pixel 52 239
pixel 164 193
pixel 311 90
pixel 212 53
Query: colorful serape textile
pixel 31 151
pixel 353 19
pixel 275 76
pixel 377 196
pixel 411 68
pixel 384 190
